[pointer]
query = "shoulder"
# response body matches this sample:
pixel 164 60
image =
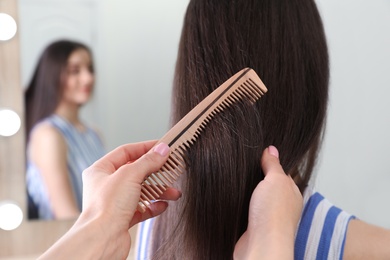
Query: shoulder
pixel 45 131
pixel 44 136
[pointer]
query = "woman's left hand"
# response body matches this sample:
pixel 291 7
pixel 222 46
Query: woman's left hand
pixel 274 212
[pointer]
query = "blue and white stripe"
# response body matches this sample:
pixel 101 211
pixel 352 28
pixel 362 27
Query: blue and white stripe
pixel 321 232
pixel 322 229
pixel 144 233
pixel 83 149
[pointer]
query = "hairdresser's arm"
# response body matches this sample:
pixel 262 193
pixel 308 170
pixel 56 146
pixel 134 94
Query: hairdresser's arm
pixel 366 241
pixel 48 151
pixel 274 213
pixel 112 188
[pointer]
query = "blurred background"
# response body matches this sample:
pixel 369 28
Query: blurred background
pixel 135 45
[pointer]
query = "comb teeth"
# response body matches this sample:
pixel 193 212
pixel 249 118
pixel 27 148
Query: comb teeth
pixel 244 85
pixel 156 184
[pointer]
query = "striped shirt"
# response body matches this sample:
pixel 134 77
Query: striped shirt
pixel 321 231
pixel 83 149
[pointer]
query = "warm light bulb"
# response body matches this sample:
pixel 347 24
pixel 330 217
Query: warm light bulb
pixel 9 122
pixel 11 215
pixel 8 27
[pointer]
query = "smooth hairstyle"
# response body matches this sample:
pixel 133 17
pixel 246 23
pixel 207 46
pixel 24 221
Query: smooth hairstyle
pixel 284 42
pixel 45 89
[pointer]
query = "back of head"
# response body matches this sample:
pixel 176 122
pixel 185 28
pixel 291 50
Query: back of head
pixel 284 42
pixel 45 88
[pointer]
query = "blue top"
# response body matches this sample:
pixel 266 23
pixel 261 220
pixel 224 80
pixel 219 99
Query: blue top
pixel 321 232
pixel 83 147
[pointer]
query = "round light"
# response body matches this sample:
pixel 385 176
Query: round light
pixel 11 216
pixel 9 122
pixel 8 27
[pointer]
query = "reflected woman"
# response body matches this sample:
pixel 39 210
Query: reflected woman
pixel 59 145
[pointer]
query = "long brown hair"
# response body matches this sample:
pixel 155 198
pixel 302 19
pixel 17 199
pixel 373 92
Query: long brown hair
pixel 45 89
pixel 284 42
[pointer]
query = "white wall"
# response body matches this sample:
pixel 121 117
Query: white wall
pixel 136 59
pixel 354 172
pixel 135 51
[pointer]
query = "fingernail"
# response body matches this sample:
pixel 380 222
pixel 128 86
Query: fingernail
pixel 273 151
pixel 162 149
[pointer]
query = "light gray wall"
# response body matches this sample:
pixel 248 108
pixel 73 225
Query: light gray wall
pixel 135 51
pixel 354 172
pixel 136 58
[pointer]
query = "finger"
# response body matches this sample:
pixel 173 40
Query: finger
pixel 294 184
pixel 123 154
pixel 171 194
pixel 157 207
pixel 153 210
pixel 270 161
pixel 148 163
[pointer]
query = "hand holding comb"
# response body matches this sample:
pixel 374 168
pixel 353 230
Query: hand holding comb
pixel 244 85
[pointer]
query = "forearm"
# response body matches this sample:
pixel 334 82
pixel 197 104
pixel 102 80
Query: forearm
pixel 366 241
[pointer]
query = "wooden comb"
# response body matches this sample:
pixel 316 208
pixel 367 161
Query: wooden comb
pixel 245 84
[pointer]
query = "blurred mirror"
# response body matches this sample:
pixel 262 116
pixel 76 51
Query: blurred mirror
pixel 128 43
pixel 134 45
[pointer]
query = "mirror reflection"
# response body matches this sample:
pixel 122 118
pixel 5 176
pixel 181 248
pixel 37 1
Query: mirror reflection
pixel 59 144
pixel 130 83
pixel 59 79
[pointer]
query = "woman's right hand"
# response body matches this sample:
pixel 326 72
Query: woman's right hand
pixel 274 212
pixel 111 192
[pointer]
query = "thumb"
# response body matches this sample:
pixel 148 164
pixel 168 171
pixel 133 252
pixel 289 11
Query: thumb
pixel 150 162
pixel 270 161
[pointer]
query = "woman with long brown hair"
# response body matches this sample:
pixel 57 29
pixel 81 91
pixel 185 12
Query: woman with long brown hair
pixel 59 144
pixel 284 42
